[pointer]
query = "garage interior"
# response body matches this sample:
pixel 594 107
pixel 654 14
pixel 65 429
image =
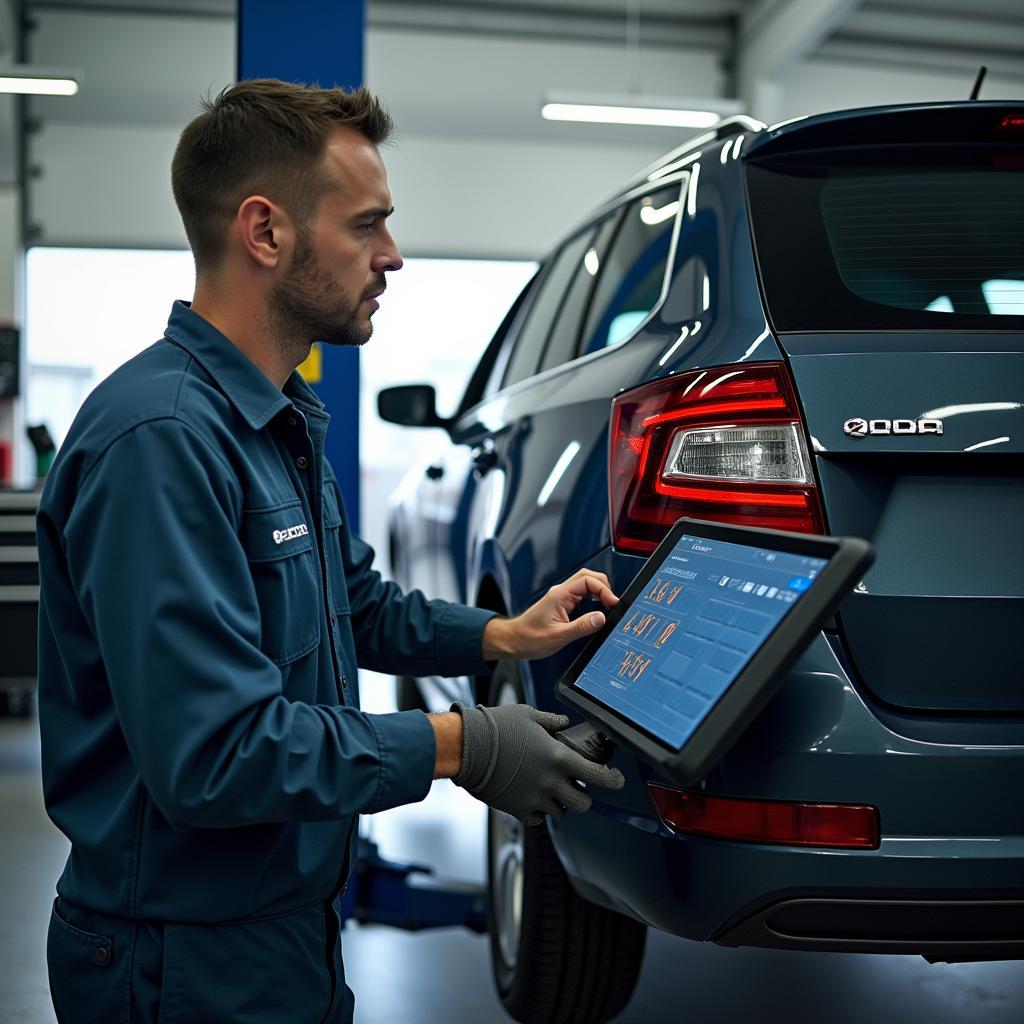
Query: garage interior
pixel 92 254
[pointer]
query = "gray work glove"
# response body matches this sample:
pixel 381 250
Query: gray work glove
pixel 512 762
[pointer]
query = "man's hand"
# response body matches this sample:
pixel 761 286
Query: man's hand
pixel 513 763
pixel 545 627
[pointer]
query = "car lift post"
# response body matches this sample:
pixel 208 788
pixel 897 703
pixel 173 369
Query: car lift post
pixel 409 896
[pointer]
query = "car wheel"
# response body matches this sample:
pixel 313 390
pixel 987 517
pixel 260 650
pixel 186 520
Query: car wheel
pixel 556 958
pixel 408 696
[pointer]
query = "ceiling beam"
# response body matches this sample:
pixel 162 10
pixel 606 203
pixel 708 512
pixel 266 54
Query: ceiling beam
pixel 773 36
pixel 859 52
pixel 944 29
pixel 219 10
pixel 551 21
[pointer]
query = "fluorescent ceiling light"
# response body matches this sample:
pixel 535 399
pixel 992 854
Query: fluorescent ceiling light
pixel 32 80
pixel 663 111
pixel 596 114
pixel 39 86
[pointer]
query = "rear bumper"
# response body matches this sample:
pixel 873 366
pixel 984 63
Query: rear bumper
pixel 956 899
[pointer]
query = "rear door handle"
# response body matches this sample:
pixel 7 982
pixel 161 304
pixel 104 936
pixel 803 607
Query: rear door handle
pixel 484 457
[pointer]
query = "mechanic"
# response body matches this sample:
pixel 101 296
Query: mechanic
pixel 204 609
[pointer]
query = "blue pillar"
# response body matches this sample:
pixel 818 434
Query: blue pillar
pixel 315 42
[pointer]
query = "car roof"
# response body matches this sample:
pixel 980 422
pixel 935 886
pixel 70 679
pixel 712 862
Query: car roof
pixel 960 120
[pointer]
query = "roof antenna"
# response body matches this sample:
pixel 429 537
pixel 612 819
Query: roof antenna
pixel 977 82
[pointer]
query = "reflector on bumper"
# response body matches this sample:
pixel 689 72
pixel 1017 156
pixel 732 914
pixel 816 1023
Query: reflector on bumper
pixel 845 826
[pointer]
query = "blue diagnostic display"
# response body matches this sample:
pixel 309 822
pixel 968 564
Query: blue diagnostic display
pixel 699 620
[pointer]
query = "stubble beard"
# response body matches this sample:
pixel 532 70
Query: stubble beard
pixel 307 306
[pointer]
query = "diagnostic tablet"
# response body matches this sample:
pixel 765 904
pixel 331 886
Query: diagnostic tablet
pixel 703 636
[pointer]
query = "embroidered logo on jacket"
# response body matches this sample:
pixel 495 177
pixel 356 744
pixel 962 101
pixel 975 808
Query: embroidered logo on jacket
pixel 280 536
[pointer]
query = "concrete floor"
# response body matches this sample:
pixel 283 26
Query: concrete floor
pixel 444 976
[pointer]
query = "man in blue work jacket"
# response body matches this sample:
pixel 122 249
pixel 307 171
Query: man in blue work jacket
pixel 204 609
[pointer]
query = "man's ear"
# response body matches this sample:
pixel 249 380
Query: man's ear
pixel 265 230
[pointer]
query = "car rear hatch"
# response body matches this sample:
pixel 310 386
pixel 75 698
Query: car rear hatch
pixel 891 250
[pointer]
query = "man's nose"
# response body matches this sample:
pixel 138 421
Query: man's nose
pixel 389 258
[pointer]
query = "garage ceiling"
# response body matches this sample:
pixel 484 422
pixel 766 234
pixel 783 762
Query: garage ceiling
pixel 760 39
pixel 969 27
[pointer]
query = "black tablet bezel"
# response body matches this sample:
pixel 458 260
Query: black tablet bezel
pixel 847 558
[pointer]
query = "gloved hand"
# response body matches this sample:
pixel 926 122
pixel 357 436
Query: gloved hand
pixel 512 762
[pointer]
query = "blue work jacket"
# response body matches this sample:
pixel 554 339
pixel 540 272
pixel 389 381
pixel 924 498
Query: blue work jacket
pixel 203 611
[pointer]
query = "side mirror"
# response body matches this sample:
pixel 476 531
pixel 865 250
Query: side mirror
pixel 411 405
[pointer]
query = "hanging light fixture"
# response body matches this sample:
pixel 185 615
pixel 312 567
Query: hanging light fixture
pixel 634 107
pixel 34 80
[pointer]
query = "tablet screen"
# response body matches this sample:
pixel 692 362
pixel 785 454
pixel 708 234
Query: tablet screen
pixel 694 627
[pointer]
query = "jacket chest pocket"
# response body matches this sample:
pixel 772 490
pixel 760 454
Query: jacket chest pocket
pixel 278 544
pixel 336 584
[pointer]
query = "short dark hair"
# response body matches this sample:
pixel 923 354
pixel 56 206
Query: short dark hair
pixel 262 136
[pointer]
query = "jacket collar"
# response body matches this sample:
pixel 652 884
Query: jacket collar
pixel 248 388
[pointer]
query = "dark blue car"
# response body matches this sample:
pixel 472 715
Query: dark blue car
pixel 815 327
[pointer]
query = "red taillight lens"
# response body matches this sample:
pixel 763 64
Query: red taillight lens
pixel 725 444
pixel 846 826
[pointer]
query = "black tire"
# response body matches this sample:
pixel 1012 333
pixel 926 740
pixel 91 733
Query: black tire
pixel 574 962
pixel 408 696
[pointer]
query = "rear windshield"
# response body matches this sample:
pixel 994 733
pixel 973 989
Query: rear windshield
pixel 888 238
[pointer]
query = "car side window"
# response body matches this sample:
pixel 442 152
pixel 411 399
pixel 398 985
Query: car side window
pixel 564 336
pixel 486 378
pixel 631 281
pixel 529 344
pixel 689 294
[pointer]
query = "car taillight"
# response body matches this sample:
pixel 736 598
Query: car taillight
pixel 842 826
pixel 725 444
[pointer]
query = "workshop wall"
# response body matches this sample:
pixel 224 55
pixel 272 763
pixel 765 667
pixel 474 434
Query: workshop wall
pixel 102 157
pixel 11 410
pixel 103 184
pixel 818 85
pixel 109 185
pixel 9 262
